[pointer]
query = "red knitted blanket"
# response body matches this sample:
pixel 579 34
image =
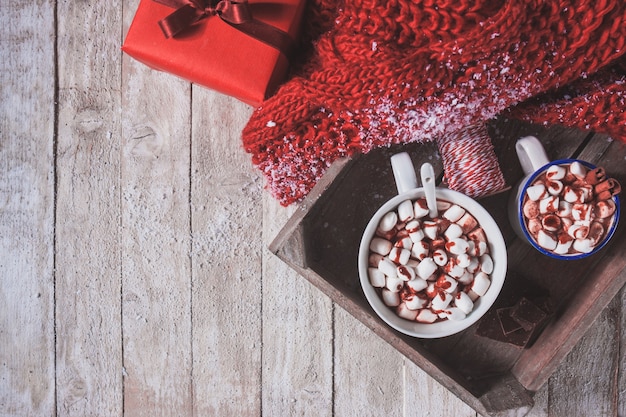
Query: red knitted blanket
pixel 379 72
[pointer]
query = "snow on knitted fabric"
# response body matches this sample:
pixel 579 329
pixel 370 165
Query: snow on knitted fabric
pixel 596 102
pixel 396 71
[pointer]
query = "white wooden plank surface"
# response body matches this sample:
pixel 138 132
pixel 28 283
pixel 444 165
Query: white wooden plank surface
pixel 298 334
pixel 165 300
pixel 87 275
pixel 227 261
pixel 156 244
pixel 27 117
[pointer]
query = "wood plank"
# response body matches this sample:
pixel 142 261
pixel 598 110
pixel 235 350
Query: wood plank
pixel 298 333
pixel 584 383
pixel 620 377
pixel 89 352
pixel 156 240
pixel 369 373
pixel 226 261
pixel 27 123
pixel 425 396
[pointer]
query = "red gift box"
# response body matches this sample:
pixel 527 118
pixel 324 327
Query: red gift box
pixel 213 53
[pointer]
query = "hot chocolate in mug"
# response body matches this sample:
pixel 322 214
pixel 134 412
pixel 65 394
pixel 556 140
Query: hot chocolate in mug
pixel 559 207
pixel 401 255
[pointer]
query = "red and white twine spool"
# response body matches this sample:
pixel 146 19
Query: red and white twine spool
pixel 470 163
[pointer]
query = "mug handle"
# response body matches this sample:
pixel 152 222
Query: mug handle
pixel 531 154
pixel 403 172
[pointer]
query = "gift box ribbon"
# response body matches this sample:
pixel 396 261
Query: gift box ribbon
pixel 235 13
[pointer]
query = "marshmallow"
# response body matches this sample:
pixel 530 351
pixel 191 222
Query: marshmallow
pixel 430 229
pixel 391 299
pixel 431 291
pixel 604 209
pixel 530 209
pixel 453 269
pixel 420 208
pixel 573 195
pixel 481 284
pixel 453 231
pixel 554 187
pixel 556 172
pixel 578 231
pixel 440 257
pixel 457 246
pixel 536 192
pixel 417 284
pixel 377 278
pixel 463 260
pixel 399 255
pixel 394 283
pixel 388 222
pixel 414 302
pixel 486 264
pixel 380 246
pixel 546 240
pixel 405 243
pixel 473 266
pixel 455 314
pixel 473 296
pixel 467 222
pixel 374 259
pixel 551 222
pixel 563 244
pixel 583 245
pixel 446 283
pixel 405 211
pixel 438 243
pixel 420 250
pixel 426 316
pixel 387 267
pixel 565 209
pixel 549 204
pixel 463 302
pixel 426 268
pixel 478 234
pixel 481 248
pixel 443 205
pixel 441 300
pixel 534 226
pixel 415 231
pixel 405 273
pixel 454 213
pixel 578 169
pixel 596 232
pixel 581 212
pixel 466 277
pixel 405 312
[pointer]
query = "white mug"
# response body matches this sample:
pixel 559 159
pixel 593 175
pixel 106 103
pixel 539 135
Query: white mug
pixel 535 162
pixel 406 182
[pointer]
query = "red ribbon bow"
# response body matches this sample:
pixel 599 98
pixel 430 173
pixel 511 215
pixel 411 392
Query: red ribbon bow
pixel 235 13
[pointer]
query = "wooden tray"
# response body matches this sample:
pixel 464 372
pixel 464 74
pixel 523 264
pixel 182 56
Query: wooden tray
pixel 321 242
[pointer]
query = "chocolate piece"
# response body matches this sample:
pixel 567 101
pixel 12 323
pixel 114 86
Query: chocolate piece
pixel 490 327
pixel 521 297
pixel 507 324
pixel 527 314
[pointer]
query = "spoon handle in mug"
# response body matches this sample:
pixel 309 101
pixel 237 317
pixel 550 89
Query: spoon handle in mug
pixel 403 172
pixel 427 174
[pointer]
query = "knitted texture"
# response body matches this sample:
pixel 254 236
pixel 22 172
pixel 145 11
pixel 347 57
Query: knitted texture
pixel 380 72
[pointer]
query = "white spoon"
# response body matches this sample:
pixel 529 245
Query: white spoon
pixel 427 174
